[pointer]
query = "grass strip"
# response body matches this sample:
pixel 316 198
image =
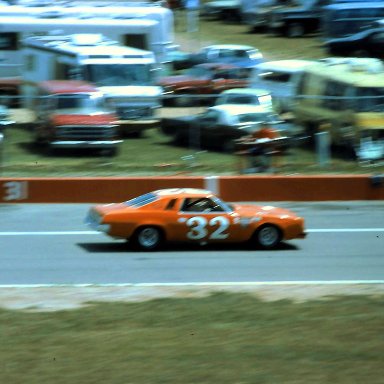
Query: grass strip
pixel 223 338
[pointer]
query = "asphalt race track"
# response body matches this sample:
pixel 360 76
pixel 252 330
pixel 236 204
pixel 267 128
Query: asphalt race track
pixel 49 244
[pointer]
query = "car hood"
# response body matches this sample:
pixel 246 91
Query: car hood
pixel 247 210
pixel 104 209
pixel 131 91
pixel 241 63
pixel 176 79
pixel 73 119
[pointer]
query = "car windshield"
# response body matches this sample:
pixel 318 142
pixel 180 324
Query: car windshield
pixel 141 200
pixel 242 99
pixel 225 206
pixel 81 103
pixel 370 99
pixel 104 75
pixel 253 117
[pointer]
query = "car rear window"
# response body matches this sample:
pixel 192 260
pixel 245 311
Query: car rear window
pixel 142 200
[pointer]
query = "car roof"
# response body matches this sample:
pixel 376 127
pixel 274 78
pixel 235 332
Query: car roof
pixel 355 5
pixel 230 46
pixel 288 66
pixel 216 66
pixel 67 86
pixel 183 192
pixel 237 109
pixel 247 91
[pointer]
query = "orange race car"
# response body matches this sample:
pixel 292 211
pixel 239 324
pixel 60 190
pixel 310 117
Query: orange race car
pixel 193 215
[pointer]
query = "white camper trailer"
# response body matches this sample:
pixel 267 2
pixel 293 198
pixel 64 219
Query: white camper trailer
pixel 118 11
pixel 142 33
pixel 126 76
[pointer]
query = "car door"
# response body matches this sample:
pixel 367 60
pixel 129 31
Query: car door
pixel 208 128
pixel 202 220
pixel 375 44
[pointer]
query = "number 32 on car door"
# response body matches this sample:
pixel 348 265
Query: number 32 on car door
pixel 215 228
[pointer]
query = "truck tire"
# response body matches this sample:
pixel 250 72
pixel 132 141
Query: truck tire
pixel 295 30
pixel 184 100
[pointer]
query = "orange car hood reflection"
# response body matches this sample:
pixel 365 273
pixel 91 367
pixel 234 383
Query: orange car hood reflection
pixel 250 210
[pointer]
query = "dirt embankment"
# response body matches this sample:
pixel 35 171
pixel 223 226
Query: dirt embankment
pixel 53 298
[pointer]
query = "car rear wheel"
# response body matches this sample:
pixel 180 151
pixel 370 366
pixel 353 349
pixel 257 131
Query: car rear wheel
pixel 148 238
pixel 268 236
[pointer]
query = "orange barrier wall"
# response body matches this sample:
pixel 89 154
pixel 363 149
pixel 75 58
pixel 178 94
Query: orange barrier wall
pixel 230 188
pixel 87 190
pixel 302 188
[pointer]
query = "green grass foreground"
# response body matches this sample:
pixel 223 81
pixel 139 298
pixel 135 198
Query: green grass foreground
pixel 220 339
pixel 154 154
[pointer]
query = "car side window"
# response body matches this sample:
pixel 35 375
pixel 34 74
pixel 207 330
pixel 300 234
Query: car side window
pixel 170 205
pixel 378 38
pixel 210 117
pixel 201 204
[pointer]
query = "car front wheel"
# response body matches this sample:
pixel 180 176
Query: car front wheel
pixel 148 238
pixel 268 236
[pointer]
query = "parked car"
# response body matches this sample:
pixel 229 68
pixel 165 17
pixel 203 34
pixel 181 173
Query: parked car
pixel 256 13
pixel 220 125
pixel 295 21
pixel 368 43
pixel 279 78
pixel 5 117
pixel 222 9
pixel 246 96
pixel 199 84
pixel 243 56
pixel 193 216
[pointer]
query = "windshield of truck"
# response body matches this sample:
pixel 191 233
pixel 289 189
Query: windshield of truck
pixel 114 75
pixel 253 117
pixel 370 99
pixel 81 103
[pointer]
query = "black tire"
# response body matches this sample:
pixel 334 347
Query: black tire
pixel 228 146
pixel 361 53
pixel 184 100
pixel 295 30
pixel 268 236
pixel 148 238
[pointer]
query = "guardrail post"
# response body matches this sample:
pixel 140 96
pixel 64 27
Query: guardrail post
pixel 323 148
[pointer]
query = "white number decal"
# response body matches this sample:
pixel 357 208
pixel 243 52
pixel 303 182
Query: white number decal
pixel 223 225
pixel 199 230
pixel 16 190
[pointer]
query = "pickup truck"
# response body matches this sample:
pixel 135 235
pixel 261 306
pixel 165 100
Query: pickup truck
pixel 220 125
pixel 201 84
pixel 295 21
pixel 72 114
pixel 5 117
pixel 244 56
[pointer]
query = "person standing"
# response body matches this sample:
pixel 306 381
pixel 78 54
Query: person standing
pixel 192 8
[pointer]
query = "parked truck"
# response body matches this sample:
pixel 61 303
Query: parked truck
pixel 345 97
pixel 73 114
pixel 125 75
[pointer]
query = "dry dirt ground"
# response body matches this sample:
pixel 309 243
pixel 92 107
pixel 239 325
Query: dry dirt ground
pixel 53 298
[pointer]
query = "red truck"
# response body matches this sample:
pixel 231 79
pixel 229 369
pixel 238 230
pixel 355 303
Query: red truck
pixel 201 83
pixel 73 114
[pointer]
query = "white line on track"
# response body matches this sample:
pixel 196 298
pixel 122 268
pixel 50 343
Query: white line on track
pixel 200 284
pixel 81 233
